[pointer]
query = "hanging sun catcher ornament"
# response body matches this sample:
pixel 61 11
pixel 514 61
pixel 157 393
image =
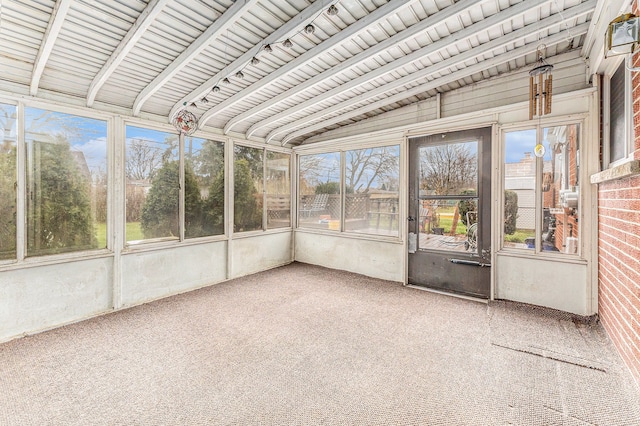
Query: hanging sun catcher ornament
pixel 185 122
pixel 540 87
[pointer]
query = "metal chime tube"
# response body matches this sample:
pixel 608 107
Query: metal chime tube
pixel 547 97
pixel 539 94
pixel 532 98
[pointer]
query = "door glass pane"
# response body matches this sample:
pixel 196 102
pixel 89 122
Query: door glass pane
pixel 448 224
pixel 560 189
pixel 8 181
pixel 519 209
pixel 278 185
pixel 203 187
pixel 248 187
pixel 449 169
pixel 320 192
pixel 66 181
pixel 152 184
pixel 444 222
pixel 372 177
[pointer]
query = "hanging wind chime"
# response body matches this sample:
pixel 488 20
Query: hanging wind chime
pixel 185 121
pixel 540 87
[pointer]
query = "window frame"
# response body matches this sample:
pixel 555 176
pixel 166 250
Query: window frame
pixel 629 134
pixel 342 153
pixel 537 251
pixel 231 182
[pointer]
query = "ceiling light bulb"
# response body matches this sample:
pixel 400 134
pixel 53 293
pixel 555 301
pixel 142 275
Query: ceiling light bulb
pixel 239 75
pixel 287 43
pixel 255 61
pixel 226 81
pixel 215 89
pixel 332 11
pixel 309 29
pixel 267 48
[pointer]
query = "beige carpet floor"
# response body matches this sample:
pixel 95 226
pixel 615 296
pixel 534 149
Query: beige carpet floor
pixel 304 345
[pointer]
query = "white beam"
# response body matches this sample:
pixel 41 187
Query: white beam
pixel 220 25
pixel 449 78
pixel 134 34
pixel 58 16
pixel 416 55
pixel 351 31
pixel 422 26
pixel 289 28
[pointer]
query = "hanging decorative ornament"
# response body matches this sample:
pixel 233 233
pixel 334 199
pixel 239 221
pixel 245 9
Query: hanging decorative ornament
pixel 540 91
pixel 539 150
pixel 185 122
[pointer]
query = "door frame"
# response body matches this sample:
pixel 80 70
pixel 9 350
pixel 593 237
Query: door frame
pixel 490 129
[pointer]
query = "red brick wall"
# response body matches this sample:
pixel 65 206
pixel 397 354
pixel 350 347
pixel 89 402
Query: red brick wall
pixel 619 254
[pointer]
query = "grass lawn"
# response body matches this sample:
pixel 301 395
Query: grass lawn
pixel 519 236
pixel 133 233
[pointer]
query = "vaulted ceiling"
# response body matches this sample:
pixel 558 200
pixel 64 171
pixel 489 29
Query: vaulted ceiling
pixel 278 71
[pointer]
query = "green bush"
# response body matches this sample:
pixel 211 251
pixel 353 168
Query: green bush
pixel 510 211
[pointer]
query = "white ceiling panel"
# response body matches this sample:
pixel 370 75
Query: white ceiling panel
pixel 372 56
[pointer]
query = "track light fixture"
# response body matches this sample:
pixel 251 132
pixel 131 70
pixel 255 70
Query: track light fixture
pixel 287 43
pixel 226 81
pixel 267 48
pixel 239 75
pixel 332 11
pixel 255 61
pixel 215 89
pixel 309 29
pixel 204 100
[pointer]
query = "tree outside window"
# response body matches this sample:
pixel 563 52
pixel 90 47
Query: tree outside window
pixel 372 190
pixel 66 182
pixel 152 184
pixel 248 186
pixel 8 182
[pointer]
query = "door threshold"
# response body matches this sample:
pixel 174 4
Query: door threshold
pixel 446 293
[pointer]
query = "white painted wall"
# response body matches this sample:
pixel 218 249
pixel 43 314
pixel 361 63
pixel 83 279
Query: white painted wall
pixel 373 258
pixel 557 285
pixel 255 253
pixel 36 298
pixel 148 275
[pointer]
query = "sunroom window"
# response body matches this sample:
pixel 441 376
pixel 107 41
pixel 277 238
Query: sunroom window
pixel 8 182
pixel 367 179
pixel 152 170
pixel 542 192
pixel 66 182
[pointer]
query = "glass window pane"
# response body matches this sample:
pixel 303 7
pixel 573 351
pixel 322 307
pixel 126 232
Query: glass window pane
pixel 203 187
pixel 319 189
pixel 248 187
pixel 66 182
pixel 520 189
pixel 560 189
pixel 278 185
pixel 449 169
pixel 617 134
pixel 152 184
pixel 449 224
pixel 8 181
pixel 371 201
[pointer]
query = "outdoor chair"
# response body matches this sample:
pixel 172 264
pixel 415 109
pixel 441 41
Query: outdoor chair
pixel 317 206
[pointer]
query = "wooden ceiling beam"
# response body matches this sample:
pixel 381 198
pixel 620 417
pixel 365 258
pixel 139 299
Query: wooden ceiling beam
pixel 289 28
pixel 311 54
pixel 430 49
pixel 422 26
pixel 219 26
pixel 449 78
pixel 58 16
pixel 144 21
